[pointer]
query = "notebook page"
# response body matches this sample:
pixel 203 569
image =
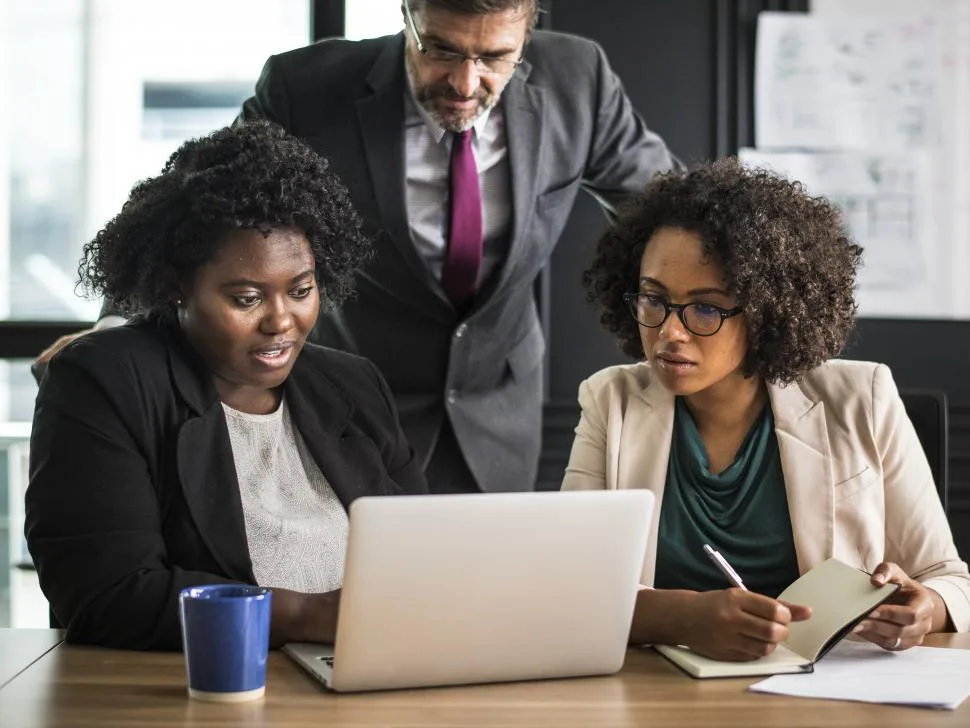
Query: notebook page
pixel 837 594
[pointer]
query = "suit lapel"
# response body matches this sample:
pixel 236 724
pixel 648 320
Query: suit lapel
pixel 523 107
pixel 208 475
pixel 806 459
pixel 644 462
pixel 206 468
pixel 321 412
pixel 381 118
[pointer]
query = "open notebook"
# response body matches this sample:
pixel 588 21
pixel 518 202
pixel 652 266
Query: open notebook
pixel 840 597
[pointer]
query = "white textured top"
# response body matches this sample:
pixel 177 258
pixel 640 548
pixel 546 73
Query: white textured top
pixel 296 527
pixel 427 162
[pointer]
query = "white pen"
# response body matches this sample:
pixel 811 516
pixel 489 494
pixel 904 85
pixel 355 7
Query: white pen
pixel 725 567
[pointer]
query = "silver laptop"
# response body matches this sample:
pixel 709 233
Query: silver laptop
pixel 458 589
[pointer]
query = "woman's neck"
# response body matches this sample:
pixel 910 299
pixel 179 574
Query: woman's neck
pixel 724 414
pixel 251 400
pixel 732 405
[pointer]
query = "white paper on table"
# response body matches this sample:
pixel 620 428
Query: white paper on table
pixel 928 677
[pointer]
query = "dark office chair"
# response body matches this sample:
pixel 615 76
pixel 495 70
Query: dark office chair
pixel 928 412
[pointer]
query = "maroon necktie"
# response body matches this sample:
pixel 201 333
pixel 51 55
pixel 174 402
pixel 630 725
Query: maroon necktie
pixel 464 256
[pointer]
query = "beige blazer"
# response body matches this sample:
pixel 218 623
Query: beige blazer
pixel 859 486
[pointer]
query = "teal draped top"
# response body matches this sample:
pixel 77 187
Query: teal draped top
pixel 741 512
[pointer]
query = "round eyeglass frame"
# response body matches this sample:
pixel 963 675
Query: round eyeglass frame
pixel 725 313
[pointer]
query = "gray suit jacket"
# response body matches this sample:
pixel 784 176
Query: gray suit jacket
pixel 569 126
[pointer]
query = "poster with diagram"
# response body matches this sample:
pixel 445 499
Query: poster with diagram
pixel 885 209
pixel 849 82
pixel 868 104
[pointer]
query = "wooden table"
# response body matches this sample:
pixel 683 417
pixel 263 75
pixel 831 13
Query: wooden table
pixel 73 686
pixel 20 648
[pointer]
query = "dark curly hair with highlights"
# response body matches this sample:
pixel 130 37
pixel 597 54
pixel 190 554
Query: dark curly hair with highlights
pixel 785 254
pixel 251 175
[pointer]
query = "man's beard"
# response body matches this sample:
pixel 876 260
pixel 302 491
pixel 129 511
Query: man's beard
pixel 453 120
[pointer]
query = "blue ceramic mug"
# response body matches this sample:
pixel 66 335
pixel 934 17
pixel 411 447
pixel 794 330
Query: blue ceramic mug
pixel 225 634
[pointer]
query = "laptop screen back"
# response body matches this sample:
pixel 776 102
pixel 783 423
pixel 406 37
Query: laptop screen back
pixel 452 589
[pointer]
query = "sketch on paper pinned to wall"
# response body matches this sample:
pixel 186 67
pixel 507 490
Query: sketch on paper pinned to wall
pixel 884 206
pixel 882 75
pixel 868 103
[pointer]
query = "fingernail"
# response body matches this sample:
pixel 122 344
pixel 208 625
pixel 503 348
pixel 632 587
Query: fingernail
pixel 874 615
pixel 858 628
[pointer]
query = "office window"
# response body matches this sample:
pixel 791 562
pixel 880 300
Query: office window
pixel 372 18
pixel 96 94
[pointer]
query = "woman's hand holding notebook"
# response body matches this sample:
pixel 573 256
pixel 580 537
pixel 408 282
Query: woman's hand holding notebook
pixel 839 595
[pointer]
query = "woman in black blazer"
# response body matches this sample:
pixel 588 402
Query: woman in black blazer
pixel 135 480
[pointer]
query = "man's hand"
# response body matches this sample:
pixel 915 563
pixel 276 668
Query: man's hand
pixel 48 353
pixel 40 363
pixel 39 366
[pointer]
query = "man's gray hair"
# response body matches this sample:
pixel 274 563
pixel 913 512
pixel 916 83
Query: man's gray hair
pixel 481 7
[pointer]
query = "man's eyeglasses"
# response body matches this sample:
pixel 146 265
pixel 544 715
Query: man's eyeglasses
pixel 701 319
pixel 485 64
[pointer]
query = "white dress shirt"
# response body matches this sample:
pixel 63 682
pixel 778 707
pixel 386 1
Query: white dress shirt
pixel 427 162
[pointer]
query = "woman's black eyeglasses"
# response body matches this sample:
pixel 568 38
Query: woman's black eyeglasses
pixel 701 319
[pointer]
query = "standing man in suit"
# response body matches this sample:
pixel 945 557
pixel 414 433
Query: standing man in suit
pixel 463 141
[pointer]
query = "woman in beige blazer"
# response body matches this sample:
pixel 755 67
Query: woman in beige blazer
pixel 734 289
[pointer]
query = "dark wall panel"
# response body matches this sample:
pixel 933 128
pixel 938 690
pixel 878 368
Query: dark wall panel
pixel 327 18
pixel 922 354
pixel 664 53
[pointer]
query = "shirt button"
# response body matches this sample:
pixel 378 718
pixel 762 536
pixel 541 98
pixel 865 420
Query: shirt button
pixel 460 331
pixel 452 396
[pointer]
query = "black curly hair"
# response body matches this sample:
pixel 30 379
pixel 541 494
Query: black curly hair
pixel 786 258
pixel 250 175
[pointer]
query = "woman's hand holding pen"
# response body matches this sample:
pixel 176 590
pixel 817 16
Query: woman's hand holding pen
pixel 736 624
pixel 907 616
pixel 739 625
pixel 730 624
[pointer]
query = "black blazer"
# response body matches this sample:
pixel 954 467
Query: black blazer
pixel 133 492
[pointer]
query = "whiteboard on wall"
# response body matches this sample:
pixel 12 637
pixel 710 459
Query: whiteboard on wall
pixel 868 103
